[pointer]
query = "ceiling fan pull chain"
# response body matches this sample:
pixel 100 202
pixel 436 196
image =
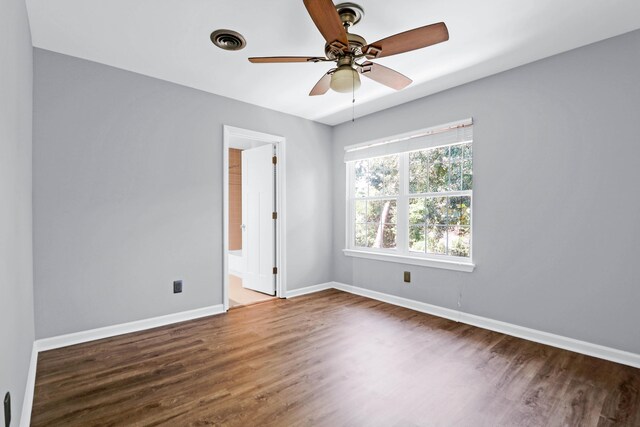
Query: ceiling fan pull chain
pixel 353 99
pixel 353 110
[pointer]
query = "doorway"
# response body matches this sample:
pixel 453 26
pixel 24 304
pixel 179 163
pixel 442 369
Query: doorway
pixel 253 206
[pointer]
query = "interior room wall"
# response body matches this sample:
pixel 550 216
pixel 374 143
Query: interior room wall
pixel 555 182
pixel 235 199
pixel 16 269
pixel 128 194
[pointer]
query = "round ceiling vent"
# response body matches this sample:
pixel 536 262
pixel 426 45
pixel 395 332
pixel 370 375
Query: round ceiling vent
pixel 228 40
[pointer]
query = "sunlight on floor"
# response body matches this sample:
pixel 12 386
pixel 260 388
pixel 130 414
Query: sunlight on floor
pixel 239 296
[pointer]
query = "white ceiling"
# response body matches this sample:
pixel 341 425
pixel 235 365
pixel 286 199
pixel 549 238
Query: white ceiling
pixel 169 40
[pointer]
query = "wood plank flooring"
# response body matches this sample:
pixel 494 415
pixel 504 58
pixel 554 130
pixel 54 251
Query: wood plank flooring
pixel 329 359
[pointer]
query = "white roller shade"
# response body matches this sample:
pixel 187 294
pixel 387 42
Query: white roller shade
pixel 450 133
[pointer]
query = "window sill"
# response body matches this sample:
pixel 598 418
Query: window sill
pixel 404 259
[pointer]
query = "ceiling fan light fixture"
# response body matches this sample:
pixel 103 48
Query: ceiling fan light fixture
pixel 345 79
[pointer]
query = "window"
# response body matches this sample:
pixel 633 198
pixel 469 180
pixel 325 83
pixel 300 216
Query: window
pixel 410 199
pixel 376 201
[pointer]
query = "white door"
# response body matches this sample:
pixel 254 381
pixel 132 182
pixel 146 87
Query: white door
pixel 258 205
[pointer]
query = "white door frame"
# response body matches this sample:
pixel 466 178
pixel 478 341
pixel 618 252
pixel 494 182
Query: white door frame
pixel 279 142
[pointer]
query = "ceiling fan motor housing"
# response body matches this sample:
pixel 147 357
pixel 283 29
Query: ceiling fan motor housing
pixel 350 14
pixel 356 43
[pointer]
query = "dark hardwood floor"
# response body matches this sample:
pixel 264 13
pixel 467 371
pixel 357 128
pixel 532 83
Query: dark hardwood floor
pixel 329 359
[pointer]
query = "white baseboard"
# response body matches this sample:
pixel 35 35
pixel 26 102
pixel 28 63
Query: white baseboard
pixel 125 328
pixel 27 401
pixel 423 307
pixel 583 347
pixel 309 290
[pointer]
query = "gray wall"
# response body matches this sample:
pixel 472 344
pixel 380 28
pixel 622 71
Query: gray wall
pixel 128 194
pixel 556 164
pixel 127 184
pixel 16 268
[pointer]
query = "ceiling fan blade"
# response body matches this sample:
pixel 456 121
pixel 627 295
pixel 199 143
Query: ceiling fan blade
pixel 384 75
pixel 322 86
pixel 326 18
pixel 277 59
pixel 407 41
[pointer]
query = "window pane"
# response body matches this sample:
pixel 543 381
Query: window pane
pixel 459 210
pixel 438 177
pixel 438 155
pixel 467 175
pixel 437 239
pixel 388 238
pixel 361 235
pixel 417 210
pixel 466 151
pixel 459 241
pixel 361 211
pixel 372 230
pixel 455 176
pixel 382 176
pixel 418 172
pixel 455 152
pixel 360 175
pixel 437 210
pixel 381 211
pixel 380 236
pixel 417 238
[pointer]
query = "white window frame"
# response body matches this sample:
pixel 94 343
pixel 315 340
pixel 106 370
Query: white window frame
pixel 401 253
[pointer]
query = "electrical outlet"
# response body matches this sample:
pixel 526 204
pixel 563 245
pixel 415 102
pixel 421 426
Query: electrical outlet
pixel 407 277
pixel 177 286
pixel 7 409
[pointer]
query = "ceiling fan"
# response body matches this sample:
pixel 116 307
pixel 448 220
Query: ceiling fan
pixel 352 53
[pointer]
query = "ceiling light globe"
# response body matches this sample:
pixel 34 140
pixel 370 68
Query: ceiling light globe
pixel 345 79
